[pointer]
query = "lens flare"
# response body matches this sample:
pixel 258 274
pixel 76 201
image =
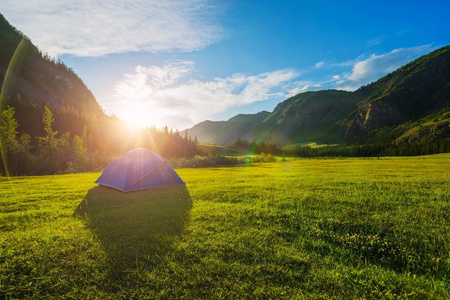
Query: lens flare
pixel 8 82
pixel 258 141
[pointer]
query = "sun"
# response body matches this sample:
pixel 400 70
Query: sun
pixel 136 118
pixel 141 115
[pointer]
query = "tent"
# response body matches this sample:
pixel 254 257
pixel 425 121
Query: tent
pixel 139 169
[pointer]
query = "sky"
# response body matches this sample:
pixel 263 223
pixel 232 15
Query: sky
pixel 180 62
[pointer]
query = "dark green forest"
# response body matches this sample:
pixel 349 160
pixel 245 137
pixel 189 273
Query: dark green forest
pixel 61 152
pixel 364 150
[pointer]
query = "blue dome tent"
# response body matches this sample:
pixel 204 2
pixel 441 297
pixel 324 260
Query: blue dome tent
pixel 139 169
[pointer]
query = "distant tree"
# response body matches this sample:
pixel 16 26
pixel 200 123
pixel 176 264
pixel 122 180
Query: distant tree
pixel 16 151
pixel 49 144
pixel 48 120
pixel 9 129
pixel 88 145
pixel 87 139
pixel 8 138
pixel 80 158
pixel 25 140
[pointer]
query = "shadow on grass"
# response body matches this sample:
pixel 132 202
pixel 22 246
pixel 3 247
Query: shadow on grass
pixel 136 229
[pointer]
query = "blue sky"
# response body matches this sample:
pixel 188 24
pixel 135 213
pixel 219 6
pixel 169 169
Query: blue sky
pixel 179 62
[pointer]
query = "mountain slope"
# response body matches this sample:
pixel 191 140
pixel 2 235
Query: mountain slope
pixel 37 81
pixel 408 94
pixel 383 111
pixel 310 116
pixel 241 126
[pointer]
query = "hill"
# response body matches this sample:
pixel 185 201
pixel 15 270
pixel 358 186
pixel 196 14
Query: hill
pixel 412 92
pixel 38 81
pixel 225 132
pixel 383 111
pixel 78 136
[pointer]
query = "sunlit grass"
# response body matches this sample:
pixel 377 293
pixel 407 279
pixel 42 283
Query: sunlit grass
pixel 307 228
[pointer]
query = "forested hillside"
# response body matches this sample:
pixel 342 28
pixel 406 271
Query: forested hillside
pixel 403 97
pixel 408 105
pixel 51 122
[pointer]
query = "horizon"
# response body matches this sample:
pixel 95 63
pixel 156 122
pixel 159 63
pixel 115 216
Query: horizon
pixel 205 60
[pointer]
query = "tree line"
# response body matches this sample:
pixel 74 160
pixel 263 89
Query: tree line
pixel 49 151
pixel 366 150
pixel 258 148
pixel 52 152
pixel 374 150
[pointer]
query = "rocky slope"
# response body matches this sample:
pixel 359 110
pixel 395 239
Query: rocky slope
pixel 382 111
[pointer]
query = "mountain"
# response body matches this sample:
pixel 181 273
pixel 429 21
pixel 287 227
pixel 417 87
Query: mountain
pixel 406 95
pixel 38 81
pixel 409 104
pixel 32 81
pixel 35 80
pixel 310 116
pixel 240 126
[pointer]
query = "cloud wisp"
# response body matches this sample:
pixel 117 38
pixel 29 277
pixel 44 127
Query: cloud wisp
pixel 95 28
pixel 376 66
pixel 167 94
pixel 163 95
pixel 362 70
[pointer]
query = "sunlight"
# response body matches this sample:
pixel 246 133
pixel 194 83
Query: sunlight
pixel 130 127
pixel 139 115
pixel 134 120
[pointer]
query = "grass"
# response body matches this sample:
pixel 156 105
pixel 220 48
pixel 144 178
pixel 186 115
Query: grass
pixel 307 228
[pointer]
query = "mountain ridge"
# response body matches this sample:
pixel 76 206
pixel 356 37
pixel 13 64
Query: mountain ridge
pixel 396 108
pixel 402 97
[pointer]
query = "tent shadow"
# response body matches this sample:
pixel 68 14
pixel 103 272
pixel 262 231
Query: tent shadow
pixel 137 228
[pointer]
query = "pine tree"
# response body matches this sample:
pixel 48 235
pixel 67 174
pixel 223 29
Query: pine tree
pixel 8 139
pixel 8 129
pixel 48 143
pixel 47 119
pixel 16 151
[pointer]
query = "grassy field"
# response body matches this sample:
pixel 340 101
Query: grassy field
pixel 301 229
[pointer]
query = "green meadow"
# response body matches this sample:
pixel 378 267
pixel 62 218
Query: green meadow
pixel 295 229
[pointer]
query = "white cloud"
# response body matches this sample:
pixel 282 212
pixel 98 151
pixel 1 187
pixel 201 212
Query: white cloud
pixel 297 90
pixel 336 77
pixel 297 87
pixel 319 64
pixel 376 66
pixel 377 40
pixel 94 28
pixel 162 95
pixel 344 64
pixel 141 84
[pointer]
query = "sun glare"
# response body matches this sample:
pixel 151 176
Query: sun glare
pixel 141 116
pixel 135 120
